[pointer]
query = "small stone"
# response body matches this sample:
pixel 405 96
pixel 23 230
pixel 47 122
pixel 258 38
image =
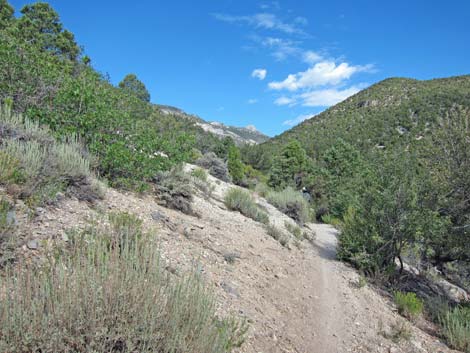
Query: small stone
pixel 187 232
pixel 158 216
pixel 33 244
pixel 11 218
pixel 230 290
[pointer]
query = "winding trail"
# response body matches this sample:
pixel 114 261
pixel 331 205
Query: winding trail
pixel 296 300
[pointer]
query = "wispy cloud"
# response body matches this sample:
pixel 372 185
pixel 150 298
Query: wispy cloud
pixel 281 48
pixel 263 20
pixel 285 101
pixel 272 5
pixel 259 73
pixel 252 101
pixel 298 119
pixel 311 57
pixel 320 74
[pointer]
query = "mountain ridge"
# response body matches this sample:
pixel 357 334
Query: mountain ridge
pixel 392 111
pixel 240 135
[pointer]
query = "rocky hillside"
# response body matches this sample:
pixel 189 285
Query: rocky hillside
pixel 241 135
pixel 294 297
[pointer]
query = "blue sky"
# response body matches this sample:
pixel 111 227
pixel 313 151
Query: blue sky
pixel 268 63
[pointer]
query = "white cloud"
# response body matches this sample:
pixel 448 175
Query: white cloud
pixel 311 57
pixel 262 20
pixel 321 74
pixel 327 97
pixel 259 73
pixel 252 101
pixel 285 101
pixel 298 120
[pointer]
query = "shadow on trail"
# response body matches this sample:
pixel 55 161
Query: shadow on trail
pixel 325 243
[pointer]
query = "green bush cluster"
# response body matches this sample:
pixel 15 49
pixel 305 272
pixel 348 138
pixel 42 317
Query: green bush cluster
pixel 293 229
pixel 408 304
pixel 108 291
pixel 390 165
pixel 455 325
pixel 200 174
pixel 174 189
pixel 292 203
pixel 7 228
pixel 54 85
pixel 277 234
pixel 240 200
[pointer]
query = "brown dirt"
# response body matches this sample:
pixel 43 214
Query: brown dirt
pixel 296 299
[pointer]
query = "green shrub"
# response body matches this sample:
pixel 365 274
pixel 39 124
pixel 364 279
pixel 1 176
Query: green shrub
pixel 277 234
pixel 9 168
pixel 93 296
pixel 69 162
pixel 408 304
pixel 235 165
pixel 7 224
pixel 262 189
pixel 292 203
pixel 200 174
pixel 294 229
pixel 436 307
pixel 174 189
pixel 330 219
pixel 456 327
pixel 40 165
pixel 31 154
pixel 216 166
pixel 399 331
pixel 242 201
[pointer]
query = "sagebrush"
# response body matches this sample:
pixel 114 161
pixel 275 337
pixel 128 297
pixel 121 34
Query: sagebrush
pixel 292 203
pixel 242 201
pixel 107 291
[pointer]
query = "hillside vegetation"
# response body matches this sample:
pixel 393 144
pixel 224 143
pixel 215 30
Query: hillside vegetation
pixel 45 76
pixel 390 167
pixel 394 112
pixel 392 163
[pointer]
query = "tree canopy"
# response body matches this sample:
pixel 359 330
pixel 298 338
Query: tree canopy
pixel 40 25
pixel 132 85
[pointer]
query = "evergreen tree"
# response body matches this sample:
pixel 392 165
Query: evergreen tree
pixel 6 13
pixel 40 25
pixel 132 85
pixel 235 165
pixel 291 163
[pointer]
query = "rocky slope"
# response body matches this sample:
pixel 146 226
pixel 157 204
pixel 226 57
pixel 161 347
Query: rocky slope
pixel 241 135
pixel 296 298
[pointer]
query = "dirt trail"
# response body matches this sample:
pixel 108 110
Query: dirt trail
pixel 297 299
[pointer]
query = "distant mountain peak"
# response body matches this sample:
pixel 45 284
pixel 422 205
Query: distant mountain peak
pixel 251 128
pixel 240 135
